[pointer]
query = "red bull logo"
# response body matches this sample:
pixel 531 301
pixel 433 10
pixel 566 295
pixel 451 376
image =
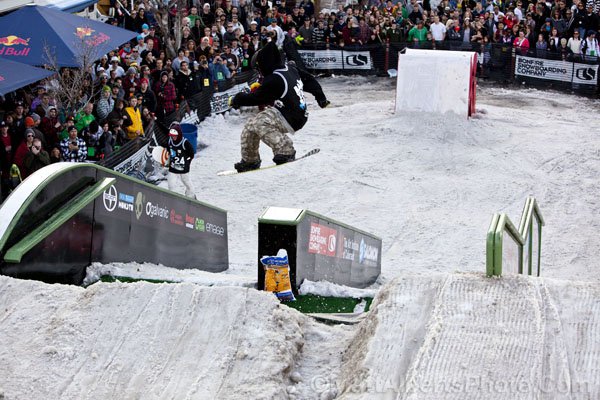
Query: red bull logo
pixel 91 39
pixel 8 42
pixel 82 32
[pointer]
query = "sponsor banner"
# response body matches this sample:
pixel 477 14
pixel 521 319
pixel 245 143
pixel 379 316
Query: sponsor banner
pixel 336 59
pixel 322 240
pixel 335 253
pixel 135 162
pixel 220 101
pixel 556 70
pixel 156 226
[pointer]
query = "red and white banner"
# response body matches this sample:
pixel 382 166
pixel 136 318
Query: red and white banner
pixel 322 240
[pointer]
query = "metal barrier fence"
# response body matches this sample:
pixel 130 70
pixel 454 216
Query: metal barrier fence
pixel 497 62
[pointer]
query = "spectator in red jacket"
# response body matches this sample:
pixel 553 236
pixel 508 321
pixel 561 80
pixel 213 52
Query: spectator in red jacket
pixel 50 127
pixel 165 95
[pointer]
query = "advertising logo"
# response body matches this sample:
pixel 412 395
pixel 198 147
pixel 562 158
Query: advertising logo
pixel 8 41
pixel 215 229
pixel 1 78
pixel 176 219
pixel 350 249
pixel 109 198
pixel 139 205
pixel 82 32
pixel 199 225
pixel 585 74
pixel 190 221
pixel 357 60
pixel 156 210
pixel 85 32
pixel 322 240
pixel 367 253
pixel 13 40
pixel 331 243
pixel 125 202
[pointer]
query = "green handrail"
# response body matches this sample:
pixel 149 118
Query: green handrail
pixel 527 239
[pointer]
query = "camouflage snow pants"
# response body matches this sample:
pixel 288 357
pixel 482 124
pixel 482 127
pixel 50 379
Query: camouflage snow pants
pixel 270 127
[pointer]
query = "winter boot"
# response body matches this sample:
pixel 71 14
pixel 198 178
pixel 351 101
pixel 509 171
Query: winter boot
pixel 284 158
pixel 244 166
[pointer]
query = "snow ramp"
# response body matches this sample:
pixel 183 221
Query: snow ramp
pixel 465 336
pixel 443 337
pixel 144 341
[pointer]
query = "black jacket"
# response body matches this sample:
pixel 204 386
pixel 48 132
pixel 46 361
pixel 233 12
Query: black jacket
pixel 281 86
pixel 181 154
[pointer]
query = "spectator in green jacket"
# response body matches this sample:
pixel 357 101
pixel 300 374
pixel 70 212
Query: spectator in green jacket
pixel 418 33
pixel 84 117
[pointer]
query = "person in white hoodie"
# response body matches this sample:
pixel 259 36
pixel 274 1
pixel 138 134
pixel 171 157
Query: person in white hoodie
pixel 574 44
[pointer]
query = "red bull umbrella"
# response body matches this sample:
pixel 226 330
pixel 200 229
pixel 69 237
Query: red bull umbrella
pixel 30 33
pixel 14 75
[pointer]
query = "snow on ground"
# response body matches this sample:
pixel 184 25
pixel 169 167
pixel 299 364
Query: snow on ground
pixel 428 185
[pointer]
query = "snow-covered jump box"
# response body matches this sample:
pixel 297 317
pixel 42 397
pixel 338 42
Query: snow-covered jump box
pixel 319 248
pixel 436 81
pixel 68 215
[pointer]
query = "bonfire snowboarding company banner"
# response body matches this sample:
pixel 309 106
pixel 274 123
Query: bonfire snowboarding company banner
pixel 336 59
pixel 556 70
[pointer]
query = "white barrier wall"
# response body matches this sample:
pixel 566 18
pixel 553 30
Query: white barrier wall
pixel 436 81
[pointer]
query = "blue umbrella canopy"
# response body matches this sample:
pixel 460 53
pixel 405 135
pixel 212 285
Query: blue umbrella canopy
pixel 30 33
pixel 14 75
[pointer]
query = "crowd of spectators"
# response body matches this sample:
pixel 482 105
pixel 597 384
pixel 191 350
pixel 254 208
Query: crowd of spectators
pixel 129 87
pixel 560 29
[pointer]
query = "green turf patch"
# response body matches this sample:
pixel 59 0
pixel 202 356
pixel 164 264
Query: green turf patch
pixel 306 304
pixel 124 279
pixel 311 303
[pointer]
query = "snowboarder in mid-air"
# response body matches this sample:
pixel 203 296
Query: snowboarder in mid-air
pixel 281 87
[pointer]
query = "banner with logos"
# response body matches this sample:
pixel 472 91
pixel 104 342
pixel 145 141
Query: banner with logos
pixel 336 253
pixel 321 249
pixel 556 70
pixel 336 59
pixel 219 102
pixel 147 224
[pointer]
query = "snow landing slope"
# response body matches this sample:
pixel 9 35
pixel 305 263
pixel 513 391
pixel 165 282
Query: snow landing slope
pixel 450 336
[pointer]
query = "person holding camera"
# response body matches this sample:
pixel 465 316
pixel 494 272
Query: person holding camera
pixel 219 72
pixel 73 148
pixel 35 159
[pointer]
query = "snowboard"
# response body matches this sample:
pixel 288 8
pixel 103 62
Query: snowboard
pixel 234 172
pixel 160 155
